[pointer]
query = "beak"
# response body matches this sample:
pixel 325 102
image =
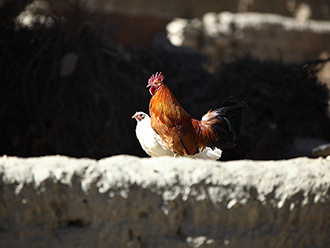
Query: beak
pixel 134 116
pixel 148 85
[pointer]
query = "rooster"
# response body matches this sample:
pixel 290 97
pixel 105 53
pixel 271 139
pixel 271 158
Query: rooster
pixel 183 135
pixel 153 145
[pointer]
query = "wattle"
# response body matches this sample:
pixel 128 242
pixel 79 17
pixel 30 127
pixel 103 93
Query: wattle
pixel 152 91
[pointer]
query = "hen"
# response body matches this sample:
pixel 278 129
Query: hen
pixel 183 135
pixel 153 145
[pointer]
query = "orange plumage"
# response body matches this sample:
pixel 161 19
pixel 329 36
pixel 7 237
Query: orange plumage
pixel 184 135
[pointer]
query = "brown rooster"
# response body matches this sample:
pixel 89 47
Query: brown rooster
pixel 183 135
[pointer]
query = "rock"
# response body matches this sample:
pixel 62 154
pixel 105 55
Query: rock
pixel 309 146
pixel 322 150
pixel 126 201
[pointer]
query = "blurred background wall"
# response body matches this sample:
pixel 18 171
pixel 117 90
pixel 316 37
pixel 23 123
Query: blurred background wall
pixel 300 9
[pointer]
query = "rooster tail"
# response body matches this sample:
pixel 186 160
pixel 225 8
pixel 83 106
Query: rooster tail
pixel 226 121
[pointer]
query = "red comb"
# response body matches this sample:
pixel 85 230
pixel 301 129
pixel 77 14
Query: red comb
pixel 158 76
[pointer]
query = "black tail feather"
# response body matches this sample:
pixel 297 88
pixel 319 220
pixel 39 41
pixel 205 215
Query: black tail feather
pixel 226 119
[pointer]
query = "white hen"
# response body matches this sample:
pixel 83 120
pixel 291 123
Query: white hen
pixel 153 145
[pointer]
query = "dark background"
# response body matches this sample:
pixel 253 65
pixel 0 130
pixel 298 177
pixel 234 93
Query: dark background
pixel 69 85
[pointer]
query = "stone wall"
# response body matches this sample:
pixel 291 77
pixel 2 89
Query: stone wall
pixel 300 9
pixel 126 201
pixel 291 31
pixel 266 36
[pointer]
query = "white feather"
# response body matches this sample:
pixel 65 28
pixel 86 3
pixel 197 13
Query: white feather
pixel 149 140
pixel 154 146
